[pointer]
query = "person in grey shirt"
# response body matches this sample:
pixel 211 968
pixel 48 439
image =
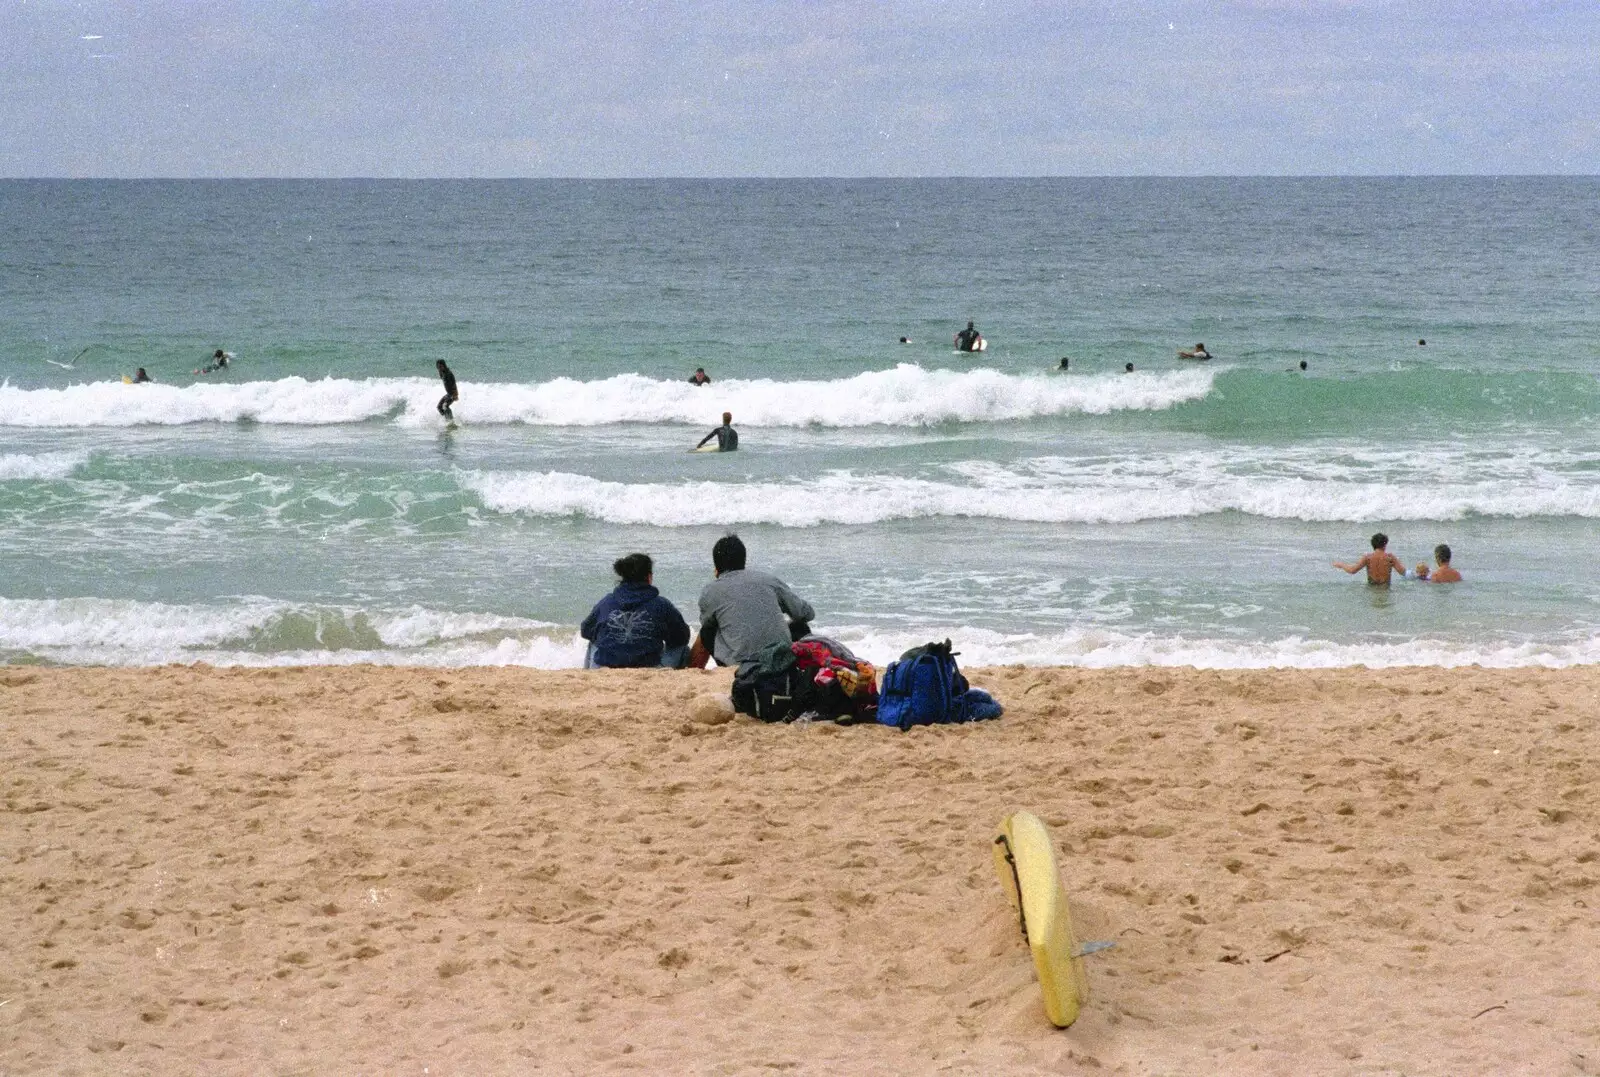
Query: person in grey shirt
pixel 742 610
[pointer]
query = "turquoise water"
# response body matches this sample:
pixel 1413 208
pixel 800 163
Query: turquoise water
pixel 308 504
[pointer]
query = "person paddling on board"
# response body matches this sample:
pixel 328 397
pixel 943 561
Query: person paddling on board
pixel 727 437
pixel 700 377
pixel 968 339
pixel 219 361
pixel 1197 352
pixel 450 395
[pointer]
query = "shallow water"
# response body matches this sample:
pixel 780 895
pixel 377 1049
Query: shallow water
pixel 308 504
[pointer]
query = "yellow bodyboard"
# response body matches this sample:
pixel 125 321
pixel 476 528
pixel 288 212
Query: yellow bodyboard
pixel 1026 863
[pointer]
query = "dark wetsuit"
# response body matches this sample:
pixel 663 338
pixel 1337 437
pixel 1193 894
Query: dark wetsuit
pixel 727 438
pixel 967 339
pixel 450 395
pixel 700 377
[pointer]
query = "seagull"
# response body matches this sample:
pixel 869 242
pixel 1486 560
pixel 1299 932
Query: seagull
pixel 75 358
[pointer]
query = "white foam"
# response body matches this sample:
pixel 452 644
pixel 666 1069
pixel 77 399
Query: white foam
pixel 287 400
pixel 1090 494
pixel 45 465
pixel 1102 649
pixel 258 631
pixel 92 631
pixel 908 395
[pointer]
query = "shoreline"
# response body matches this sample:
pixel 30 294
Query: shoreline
pixel 493 870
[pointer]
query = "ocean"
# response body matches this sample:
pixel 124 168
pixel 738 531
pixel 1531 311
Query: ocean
pixel 308 505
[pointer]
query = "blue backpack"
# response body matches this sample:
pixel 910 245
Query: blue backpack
pixel 925 687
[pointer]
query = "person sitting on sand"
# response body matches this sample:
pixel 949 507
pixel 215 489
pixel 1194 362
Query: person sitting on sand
pixel 1444 573
pixel 634 626
pixel 1379 563
pixel 1197 352
pixel 743 611
pixel 700 377
pixel 727 437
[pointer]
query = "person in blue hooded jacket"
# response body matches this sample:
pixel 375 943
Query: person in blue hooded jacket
pixel 634 626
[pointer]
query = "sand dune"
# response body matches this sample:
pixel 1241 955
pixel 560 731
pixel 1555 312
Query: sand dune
pixel 508 871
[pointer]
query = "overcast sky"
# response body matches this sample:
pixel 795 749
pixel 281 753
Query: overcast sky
pixel 797 88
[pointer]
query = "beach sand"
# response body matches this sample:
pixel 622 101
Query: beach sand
pixel 407 871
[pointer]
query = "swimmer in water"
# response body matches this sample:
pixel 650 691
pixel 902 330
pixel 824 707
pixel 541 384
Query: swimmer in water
pixel 700 377
pixel 1444 573
pixel 1065 363
pixel 727 437
pixel 1128 369
pixel 219 361
pixel 1380 563
pixel 140 377
pixel 1197 352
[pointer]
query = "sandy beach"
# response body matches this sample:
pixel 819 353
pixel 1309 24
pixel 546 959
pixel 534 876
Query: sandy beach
pixel 485 871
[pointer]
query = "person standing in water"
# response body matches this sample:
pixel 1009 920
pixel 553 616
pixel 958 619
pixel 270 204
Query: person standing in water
pixel 450 395
pixel 727 437
pixel 967 340
pixel 1380 563
pixel 1444 573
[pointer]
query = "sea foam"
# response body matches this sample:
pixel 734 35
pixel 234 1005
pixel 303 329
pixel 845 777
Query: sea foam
pixel 45 465
pixel 907 395
pixel 259 632
pixel 1090 495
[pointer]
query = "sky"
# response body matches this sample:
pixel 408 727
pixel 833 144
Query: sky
pixel 736 88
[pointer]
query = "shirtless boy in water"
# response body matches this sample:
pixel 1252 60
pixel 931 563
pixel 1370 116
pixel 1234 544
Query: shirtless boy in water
pixel 1444 573
pixel 1379 563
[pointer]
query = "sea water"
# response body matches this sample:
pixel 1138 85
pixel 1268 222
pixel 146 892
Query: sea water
pixel 308 504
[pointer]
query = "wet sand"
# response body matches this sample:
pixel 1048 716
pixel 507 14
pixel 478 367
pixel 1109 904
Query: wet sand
pixel 317 871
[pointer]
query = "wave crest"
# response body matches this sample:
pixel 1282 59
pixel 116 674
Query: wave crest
pixel 908 395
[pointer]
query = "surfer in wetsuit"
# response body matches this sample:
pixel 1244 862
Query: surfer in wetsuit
pixel 450 395
pixel 700 377
pixel 140 377
pixel 967 339
pixel 727 437
pixel 1198 352
pixel 219 361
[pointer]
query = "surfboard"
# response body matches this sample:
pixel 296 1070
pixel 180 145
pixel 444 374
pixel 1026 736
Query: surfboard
pixel 126 380
pixel 1025 860
pixel 713 447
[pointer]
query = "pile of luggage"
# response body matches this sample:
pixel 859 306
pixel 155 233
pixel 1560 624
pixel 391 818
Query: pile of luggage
pixel 820 678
